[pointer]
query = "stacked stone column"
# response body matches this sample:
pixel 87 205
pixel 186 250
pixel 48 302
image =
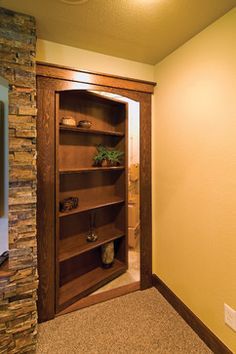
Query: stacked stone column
pixel 18 315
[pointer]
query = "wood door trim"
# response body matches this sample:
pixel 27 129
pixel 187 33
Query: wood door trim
pixel 45 205
pixel 208 337
pixel 72 74
pixel 52 85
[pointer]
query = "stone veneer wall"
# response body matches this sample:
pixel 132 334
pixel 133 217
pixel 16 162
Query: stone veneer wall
pixel 18 315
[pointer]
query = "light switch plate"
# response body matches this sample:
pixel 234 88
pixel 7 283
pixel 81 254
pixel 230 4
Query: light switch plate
pixel 230 316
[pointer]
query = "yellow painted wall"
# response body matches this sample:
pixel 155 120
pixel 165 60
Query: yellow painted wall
pixel 55 53
pixel 194 174
pixel 194 164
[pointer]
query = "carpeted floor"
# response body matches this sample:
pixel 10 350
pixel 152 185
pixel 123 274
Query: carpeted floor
pixel 141 322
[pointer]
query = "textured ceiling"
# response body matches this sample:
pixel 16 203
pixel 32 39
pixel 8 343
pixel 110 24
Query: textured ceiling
pixel 140 30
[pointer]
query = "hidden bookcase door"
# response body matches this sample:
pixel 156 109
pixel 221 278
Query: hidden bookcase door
pixel 69 267
pixel 101 192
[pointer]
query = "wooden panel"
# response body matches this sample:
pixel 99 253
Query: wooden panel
pixel 2 159
pixel 79 265
pixel 65 73
pixel 93 187
pixel 81 149
pixel 91 205
pixel 146 192
pixel 104 114
pixel 57 200
pixel 213 342
pixel 80 223
pixel 101 297
pixel 90 169
pixel 89 282
pixel 90 131
pixel 76 245
pixel 45 204
pixel 145 184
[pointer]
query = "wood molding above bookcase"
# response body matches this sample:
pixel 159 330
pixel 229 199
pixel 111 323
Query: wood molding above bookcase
pixel 69 266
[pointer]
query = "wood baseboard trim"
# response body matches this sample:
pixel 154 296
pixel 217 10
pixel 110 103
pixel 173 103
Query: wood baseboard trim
pixel 210 339
pixel 101 297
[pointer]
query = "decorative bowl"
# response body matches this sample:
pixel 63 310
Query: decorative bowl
pixel 84 124
pixel 69 204
pixel 68 121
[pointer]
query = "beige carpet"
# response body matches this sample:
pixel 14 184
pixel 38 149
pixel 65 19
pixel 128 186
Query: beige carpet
pixel 141 322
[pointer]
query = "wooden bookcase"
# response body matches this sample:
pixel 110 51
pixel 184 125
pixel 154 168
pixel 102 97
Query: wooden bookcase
pixel 62 91
pixel 101 190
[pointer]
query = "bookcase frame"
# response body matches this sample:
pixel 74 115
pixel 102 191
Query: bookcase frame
pixel 51 80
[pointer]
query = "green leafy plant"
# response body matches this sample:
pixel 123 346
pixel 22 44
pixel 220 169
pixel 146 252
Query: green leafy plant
pixel 101 155
pixel 112 157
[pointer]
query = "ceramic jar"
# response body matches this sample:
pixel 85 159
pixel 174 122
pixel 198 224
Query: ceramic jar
pixel 86 124
pixel 108 254
pixel 68 121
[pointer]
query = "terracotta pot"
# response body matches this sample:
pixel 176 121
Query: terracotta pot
pixel 104 163
pixel 107 163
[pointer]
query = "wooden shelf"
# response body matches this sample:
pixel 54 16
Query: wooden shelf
pixel 103 190
pixel 64 128
pixel 91 169
pixel 78 287
pixel 76 245
pixel 93 205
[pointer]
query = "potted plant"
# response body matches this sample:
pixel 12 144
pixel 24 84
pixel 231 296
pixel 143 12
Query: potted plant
pixel 100 156
pixel 107 157
pixel 114 157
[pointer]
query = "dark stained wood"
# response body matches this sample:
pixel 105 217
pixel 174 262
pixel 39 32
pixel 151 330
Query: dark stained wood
pixel 101 297
pixel 89 131
pixel 77 258
pixel 78 224
pixel 90 82
pixel 45 204
pixel 77 266
pixel 65 73
pixel 88 282
pixel 213 342
pixel 92 205
pixel 146 192
pixel 100 187
pixel 57 201
pixel 77 244
pixel 103 113
pixel 63 85
pixel 91 169
pixel 124 249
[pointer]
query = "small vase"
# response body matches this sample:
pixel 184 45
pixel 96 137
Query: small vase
pixel 92 236
pixel 108 254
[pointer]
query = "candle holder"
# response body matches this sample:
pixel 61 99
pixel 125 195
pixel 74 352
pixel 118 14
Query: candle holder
pixel 92 236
